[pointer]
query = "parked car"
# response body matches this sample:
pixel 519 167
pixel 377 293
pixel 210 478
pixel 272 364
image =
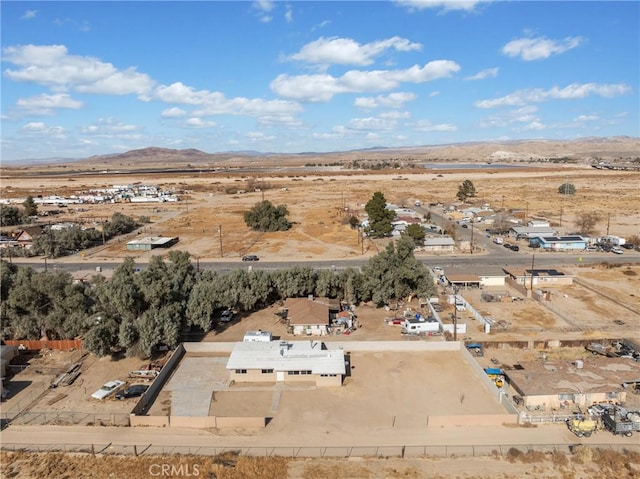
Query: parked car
pixel 250 257
pixel 628 246
pixel 107 389
pixel 226 316
pixel 515 247
pixel 617 250
pixel 507 245
pixel 132 391
pixel 465 225
pixel 591 248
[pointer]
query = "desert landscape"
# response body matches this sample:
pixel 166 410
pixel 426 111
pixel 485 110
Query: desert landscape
pixel 208 219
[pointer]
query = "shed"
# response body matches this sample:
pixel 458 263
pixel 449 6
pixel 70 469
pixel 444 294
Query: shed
pixel 444 244
pixel 152 242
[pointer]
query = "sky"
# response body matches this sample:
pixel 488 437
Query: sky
pixel 89 78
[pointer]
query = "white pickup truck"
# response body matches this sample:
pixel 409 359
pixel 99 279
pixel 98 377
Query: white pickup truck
pixel 498 240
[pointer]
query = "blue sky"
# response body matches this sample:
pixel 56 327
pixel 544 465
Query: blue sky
pixel 86 78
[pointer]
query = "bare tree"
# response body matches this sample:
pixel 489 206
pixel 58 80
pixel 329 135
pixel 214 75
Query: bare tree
pixel 586 222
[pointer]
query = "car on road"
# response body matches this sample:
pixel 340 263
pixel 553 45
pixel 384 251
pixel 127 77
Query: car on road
pixel 108 389
pixel 132 391
pixel 465 225
pixel 226 316
pixel 617 250
pixel 250 257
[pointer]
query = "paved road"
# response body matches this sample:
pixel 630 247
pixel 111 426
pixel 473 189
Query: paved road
pixel 497 257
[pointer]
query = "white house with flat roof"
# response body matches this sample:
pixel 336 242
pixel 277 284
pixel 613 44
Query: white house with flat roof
pixel 287 362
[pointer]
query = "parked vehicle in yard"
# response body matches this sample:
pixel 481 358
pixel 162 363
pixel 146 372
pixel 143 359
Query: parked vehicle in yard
pixel 107 389
pixel 617 250
pixel 132 391
pixel 582 427
pixel 498 240
pixel 621 423
pixel 515 247
pixel 250 257
pixel 226 316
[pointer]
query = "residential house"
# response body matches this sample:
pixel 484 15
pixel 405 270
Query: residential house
pixel 440 245
pixel 559 243
pixel 287 362
pixel 310 316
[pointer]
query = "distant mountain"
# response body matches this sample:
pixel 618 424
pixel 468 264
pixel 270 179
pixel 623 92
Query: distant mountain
pixel 584 150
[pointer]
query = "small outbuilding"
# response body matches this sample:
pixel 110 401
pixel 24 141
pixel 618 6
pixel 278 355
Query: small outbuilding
pixel 152 242
pixel 310 316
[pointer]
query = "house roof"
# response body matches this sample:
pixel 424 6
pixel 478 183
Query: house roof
pixel 463 278
pixel 30 231
pixel 153 240
pixel 287 356
pixel 446 241
pixel 598 374
pixel 538 273
pixel 309 311
pixel 561 239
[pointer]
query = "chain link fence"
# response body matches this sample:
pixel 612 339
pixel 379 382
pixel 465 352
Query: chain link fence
pixel 436 451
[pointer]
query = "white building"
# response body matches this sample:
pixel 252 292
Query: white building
pixel 287 362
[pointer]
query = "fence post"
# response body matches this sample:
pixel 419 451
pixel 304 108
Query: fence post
pixel 93 450
pixel 135 450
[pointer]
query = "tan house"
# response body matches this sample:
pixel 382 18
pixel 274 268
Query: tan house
pixel 541 278
pixel 310 316
pixel 287 362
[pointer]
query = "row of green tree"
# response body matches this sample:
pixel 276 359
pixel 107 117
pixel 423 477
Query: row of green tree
pixel 138 309
pixel 55 243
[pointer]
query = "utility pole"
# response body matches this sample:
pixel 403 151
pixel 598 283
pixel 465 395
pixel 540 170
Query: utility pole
pixel 472 236
pixel 608 222
pixel 220 234
pixel 455 313
pixel 533 259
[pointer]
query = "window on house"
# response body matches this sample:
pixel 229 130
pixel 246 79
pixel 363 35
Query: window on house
pixel 293 373
pixel 267 371
pixel 241 371
pixel 305 372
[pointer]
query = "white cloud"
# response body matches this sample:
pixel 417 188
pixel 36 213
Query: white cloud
pixel 539 48
pixel 264 7
pixel 481 75
pixel 583 118
pixel 570 92
pixel 445 5
pixel 427 126
pixel 393 100
pixel 111 128
pixel 259 136
pixel 434 93
pixel 45 104
pixel 534 126
pixel 525 114
pixel 371 123
pixel 173 113
pixel 195 122
pixel 323 87
pixel 51 65
pixel 29 14
pixel 395 115
pixel 345 51
pixel 215 103
pixel 34 126
pixel 288 14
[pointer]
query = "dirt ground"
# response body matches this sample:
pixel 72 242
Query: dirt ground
pixel 209 222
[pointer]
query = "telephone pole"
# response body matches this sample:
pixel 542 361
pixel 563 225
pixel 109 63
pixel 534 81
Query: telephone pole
pixel 220 235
